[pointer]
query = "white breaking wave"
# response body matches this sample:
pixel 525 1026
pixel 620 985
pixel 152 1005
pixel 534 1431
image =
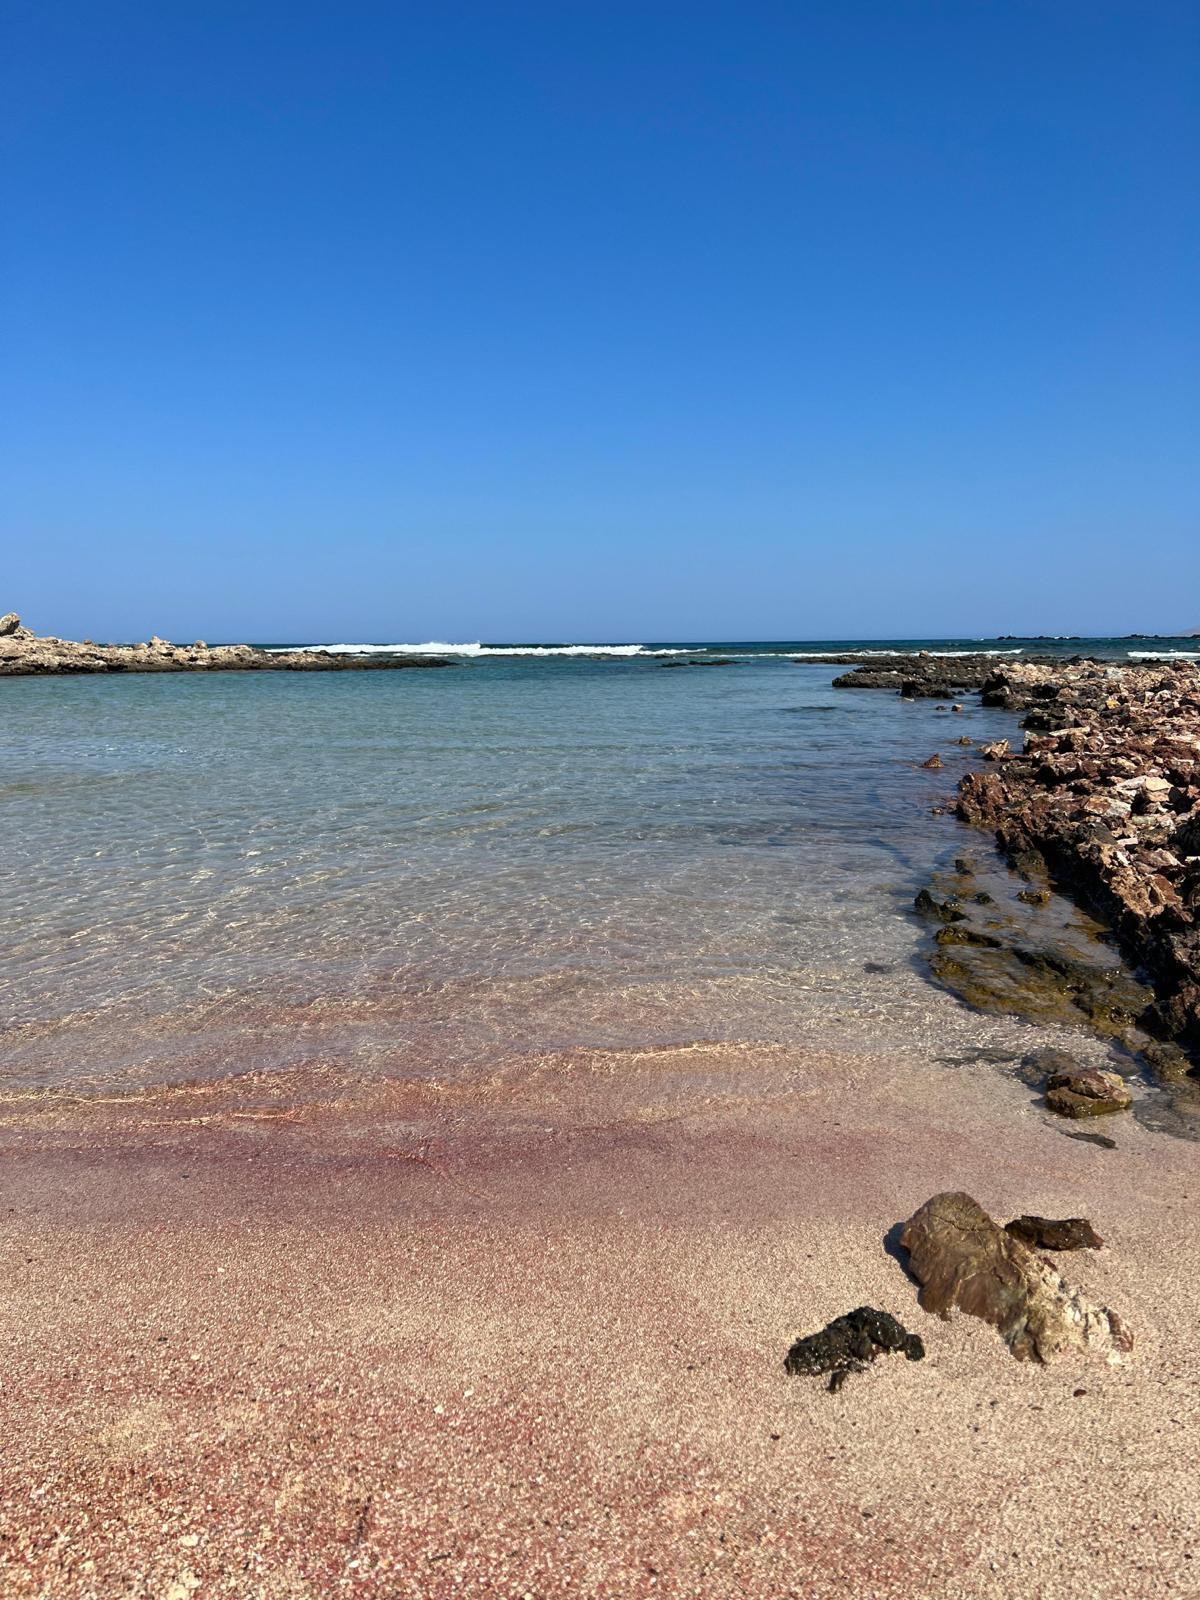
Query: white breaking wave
pixel 440 647
pixel 1164 655
pixel 843 655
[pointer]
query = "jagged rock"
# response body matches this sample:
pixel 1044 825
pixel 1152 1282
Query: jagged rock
pixel 1186 839
pixel 941 910
pixel 1045 1233
pixel 993 749
pixel 9 623
pixel 1107 791
pixel 1087 1092
pixel 934 761
pixel 962 1259
pixel 849 1343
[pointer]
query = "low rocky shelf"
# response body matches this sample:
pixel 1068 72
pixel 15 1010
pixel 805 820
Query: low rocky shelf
pixel 1102 802
pixel 25 654
pixel 1106 792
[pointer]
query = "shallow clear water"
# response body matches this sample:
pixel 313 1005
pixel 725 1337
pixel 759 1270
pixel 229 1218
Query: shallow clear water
pixel 426 871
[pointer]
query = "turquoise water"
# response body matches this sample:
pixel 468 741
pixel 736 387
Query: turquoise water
pixel 429 871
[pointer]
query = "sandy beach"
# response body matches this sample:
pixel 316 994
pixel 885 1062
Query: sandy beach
pixel 315 1336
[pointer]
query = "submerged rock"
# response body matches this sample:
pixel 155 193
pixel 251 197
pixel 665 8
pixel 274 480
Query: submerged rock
pixel 940 910
pixel 1100 1139
pixel 935 761
pixel 849 1343
pixel 963 1259
pixel 1046 1233
pixel 1034 897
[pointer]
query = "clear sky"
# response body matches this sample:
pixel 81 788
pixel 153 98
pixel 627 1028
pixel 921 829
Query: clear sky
pixel 600 320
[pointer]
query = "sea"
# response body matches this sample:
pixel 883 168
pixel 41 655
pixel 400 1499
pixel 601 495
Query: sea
pixel 540 849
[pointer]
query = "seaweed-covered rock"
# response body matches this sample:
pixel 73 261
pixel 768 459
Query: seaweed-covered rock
pixel 1048 1233
pixel 963 1259
pixel 849 1343
pixel 939 910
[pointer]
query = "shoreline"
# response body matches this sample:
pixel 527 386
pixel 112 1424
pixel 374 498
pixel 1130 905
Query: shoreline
pixel 528 1338
pixel 1103 801
pixel 293 1334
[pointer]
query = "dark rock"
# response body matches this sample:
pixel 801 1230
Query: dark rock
pixel 1034 897
pixel 962 1259
pixel 708 661
pixel 9 623
pixel 958 933
pixel 1043 1063
pixel 1044 1233
pixel 934 762
pixel 849 1343
pixel 1186 839
pixel 1166 1059
pixel 1100 1139
pixel 941 910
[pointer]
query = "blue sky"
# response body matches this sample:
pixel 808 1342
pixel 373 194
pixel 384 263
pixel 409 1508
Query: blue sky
pixel 600 320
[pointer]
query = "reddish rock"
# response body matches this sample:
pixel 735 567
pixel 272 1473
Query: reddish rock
pixel 963 1260
pixel 1087 1092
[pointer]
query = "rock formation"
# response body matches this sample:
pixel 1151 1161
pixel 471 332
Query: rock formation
pixel 963 1259
pixel 1107 792
pixel 1087 1092
pixel 23 653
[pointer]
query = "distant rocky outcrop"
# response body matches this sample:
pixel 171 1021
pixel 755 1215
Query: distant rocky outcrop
pixel 24 654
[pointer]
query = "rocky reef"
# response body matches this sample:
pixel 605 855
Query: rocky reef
pixel 23 653
pixel 1102 803
pixel 1106 793
pixel 919 676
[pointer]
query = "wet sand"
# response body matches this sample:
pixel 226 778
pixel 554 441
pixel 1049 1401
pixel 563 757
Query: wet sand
pixel 309 1336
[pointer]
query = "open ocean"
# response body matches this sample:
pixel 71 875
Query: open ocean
pixel 548 848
